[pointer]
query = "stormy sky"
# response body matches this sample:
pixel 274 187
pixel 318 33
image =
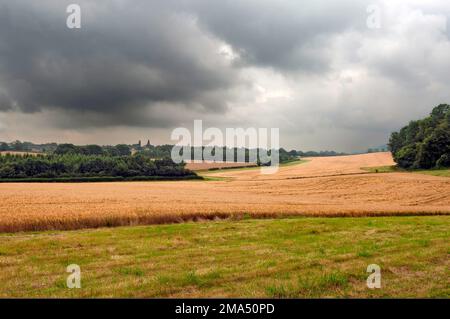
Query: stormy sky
pixel 138 69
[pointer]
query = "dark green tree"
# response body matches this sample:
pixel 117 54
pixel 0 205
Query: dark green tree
pixel 4 147
pixel 92 150
pixel 123 150
pixel 66 149
pixel 424 143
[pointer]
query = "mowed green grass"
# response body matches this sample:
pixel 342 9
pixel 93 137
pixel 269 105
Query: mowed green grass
pixel 443 172
pixel 282 258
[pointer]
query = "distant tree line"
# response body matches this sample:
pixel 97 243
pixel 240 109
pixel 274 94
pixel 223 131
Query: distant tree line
pixel 152 151
pixel 156 151
pixel 72 165
pixel 317 154
pixel 118 150
pixel 19 146
pixel 160 151
pixel 424 143
pixel 383 148
pixel 163 151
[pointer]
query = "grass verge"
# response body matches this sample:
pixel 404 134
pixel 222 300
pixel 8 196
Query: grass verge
pixel 299 257
pixel 444 172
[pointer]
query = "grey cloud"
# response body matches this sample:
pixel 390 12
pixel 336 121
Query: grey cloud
pixel 5 102
pixel 287 34
pixel 123 60
pixel 312 68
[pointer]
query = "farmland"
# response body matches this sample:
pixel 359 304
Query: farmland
pixel 264 247
pixel 281 258
pixel 187 150
pixel 204 166
pixel 329 186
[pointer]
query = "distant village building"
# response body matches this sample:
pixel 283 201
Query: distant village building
pixel 138 147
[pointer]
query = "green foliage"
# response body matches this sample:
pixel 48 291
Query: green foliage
pixel 122 150
pixel 229 154
pixel 443 161
pixel 66 149
pixel 4 147
pixel 118 150
pixel 92 150
pixel 406 156
pixel 424 143
pixel 74 165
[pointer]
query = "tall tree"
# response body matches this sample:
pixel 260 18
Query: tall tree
pixel 424 143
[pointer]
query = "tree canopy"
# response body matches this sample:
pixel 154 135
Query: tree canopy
pixel 424 143
pixel 72 165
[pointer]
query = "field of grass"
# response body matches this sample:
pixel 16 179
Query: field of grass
pixel 297 257
pixel 444 172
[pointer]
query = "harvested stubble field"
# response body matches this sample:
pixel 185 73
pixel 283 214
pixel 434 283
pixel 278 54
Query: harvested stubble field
pixel 331 186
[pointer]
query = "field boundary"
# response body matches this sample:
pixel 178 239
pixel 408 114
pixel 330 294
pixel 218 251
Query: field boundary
pixel 165 219
pixel 442 172
pixel 96 179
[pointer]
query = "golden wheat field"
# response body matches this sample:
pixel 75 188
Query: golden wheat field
pixel 329 186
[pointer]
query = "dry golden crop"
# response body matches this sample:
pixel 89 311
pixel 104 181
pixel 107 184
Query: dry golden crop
pixel 331 186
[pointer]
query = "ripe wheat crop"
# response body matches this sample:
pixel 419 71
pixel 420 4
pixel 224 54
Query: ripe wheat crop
pixel 332 186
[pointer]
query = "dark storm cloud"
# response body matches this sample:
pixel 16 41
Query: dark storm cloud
pixel 5 102
pixel 124 59
pixel 287 34
pixel 306 66
pixel 130 55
